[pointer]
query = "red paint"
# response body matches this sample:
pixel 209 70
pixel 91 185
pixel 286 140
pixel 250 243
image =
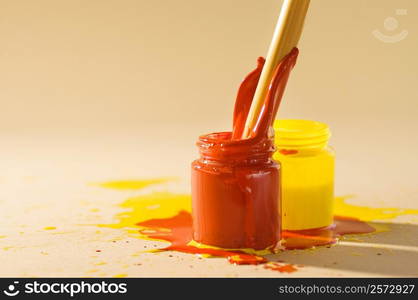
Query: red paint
pixel 236 183
pixel 303 239
pixel 178 231
pixel 280 267
pixel 288 152
pixel 348 225
pixel 246 93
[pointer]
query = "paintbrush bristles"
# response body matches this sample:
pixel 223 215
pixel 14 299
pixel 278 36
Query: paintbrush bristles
pixel 286 36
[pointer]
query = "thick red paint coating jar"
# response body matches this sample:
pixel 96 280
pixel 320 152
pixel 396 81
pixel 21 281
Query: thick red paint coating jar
pixel 236 193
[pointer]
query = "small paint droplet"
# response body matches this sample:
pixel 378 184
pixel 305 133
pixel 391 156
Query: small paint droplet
pixel 120 275
pixel 280 267
pixel 288 151
pixel 98 250
pixel 50 228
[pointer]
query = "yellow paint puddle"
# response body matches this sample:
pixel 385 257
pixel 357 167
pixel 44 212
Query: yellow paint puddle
pixel 155 205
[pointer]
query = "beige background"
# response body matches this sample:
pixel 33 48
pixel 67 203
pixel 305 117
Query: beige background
pixel 116 89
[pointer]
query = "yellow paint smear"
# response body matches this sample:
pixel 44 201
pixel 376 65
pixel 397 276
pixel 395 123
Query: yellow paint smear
pixel 364 213
pixel 133 184
pixel 50 228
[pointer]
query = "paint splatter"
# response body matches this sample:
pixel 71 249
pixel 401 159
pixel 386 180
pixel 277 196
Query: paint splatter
pixel 280 267
pixel 166 217
pixel 178 231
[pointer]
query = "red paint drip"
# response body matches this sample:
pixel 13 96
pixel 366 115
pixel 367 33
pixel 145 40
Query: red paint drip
pixel 178 231
pixel 288 152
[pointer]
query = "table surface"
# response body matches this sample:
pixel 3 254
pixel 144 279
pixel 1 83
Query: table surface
pixel 52 209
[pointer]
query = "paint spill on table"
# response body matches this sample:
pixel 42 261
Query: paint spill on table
pixel 166 216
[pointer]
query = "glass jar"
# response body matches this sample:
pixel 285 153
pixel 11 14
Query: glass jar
pixel 235 193
pixel 307 173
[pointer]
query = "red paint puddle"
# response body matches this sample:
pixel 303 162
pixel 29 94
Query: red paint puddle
pixel 178 231
pixel 304 239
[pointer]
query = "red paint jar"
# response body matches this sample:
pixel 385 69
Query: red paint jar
pixel 236 192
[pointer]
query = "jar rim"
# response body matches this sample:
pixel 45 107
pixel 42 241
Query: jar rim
pixel 296 133
pixel 220 146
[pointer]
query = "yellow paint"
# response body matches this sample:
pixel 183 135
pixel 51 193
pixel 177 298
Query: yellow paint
pixel 133 184
pixel 2 236
pixel 307 173
pixel 141 208
pixel 120 275
pixel 364 213
pixel 50 228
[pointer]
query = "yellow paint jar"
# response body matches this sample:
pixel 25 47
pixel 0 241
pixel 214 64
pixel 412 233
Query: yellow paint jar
pixel 307 173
